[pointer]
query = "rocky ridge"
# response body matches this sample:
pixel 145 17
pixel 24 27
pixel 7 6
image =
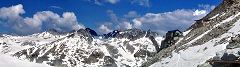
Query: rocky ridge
pixel 213 30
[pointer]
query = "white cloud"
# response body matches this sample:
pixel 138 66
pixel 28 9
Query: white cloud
pixel 206 7
pixel 113 16
pixel 124 25
pixel 131 14
pixel 11 19
pixel 141 2
pixel 11 12
pixel 116 22
pixel 100 2
pixel 162 22
pixel 199 12
pixel 56 7
pixel 159 22
pixel 145 3
pixel 104 29
pixel 112 1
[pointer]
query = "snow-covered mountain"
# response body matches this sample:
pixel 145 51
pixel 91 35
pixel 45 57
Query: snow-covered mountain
pixel 210 42
pixel 83 48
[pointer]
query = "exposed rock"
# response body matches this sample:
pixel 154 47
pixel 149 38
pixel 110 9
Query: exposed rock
pixel 205 65
pixel 171 38
pixel 84 32
pixel 109 62
pixel 229 57
pixel 28 43
pixel 94 57
pixel 200 23
pixel 129 47
pixel 131 34
pixel 142 53
pixel 85 35
pixel 154 43
pixel 113 51
pixel 234 42
pixel 111 34
pixel 92 32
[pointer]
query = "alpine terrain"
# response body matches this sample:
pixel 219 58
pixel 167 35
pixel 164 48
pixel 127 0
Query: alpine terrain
pixel 212 41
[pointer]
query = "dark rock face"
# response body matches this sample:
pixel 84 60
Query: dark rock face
pixel 227 60
pixel 109 62
pixel 200 23
pixel 111 34
pixel 94 57
pixel 132 34
pixel 234 42
pixel 113 51
pixel 92 32
pixel 34 55
pixel 28 43
pixel 142 53
pixel 171 38
pixel 129 47
pixel 85 34
pixel 229 57
pixel 155 44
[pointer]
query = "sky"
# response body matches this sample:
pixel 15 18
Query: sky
pixel 34 16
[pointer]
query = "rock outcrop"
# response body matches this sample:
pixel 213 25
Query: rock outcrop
pixel 171 38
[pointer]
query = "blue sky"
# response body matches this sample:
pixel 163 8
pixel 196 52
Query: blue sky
pixel 101 15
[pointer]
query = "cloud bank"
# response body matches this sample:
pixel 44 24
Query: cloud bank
pixel 160 22
pixel 11 21
pixel 163 22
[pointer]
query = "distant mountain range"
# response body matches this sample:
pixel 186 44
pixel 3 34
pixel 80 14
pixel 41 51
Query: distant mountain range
pixel 209 42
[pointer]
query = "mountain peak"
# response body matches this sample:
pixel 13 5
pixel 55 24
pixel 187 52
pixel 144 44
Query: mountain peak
pixel 92 32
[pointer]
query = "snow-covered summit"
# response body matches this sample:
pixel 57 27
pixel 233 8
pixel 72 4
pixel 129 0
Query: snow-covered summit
pixel 81 48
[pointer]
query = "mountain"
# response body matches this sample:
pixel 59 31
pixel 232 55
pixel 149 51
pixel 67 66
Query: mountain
pixel 83 47
pixel 212 41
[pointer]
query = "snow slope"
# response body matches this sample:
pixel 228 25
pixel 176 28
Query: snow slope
pixel 12 44
pixel 9 61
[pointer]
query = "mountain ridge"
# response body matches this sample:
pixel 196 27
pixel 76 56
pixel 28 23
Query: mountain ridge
pixel 217 24
pixel 81 48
